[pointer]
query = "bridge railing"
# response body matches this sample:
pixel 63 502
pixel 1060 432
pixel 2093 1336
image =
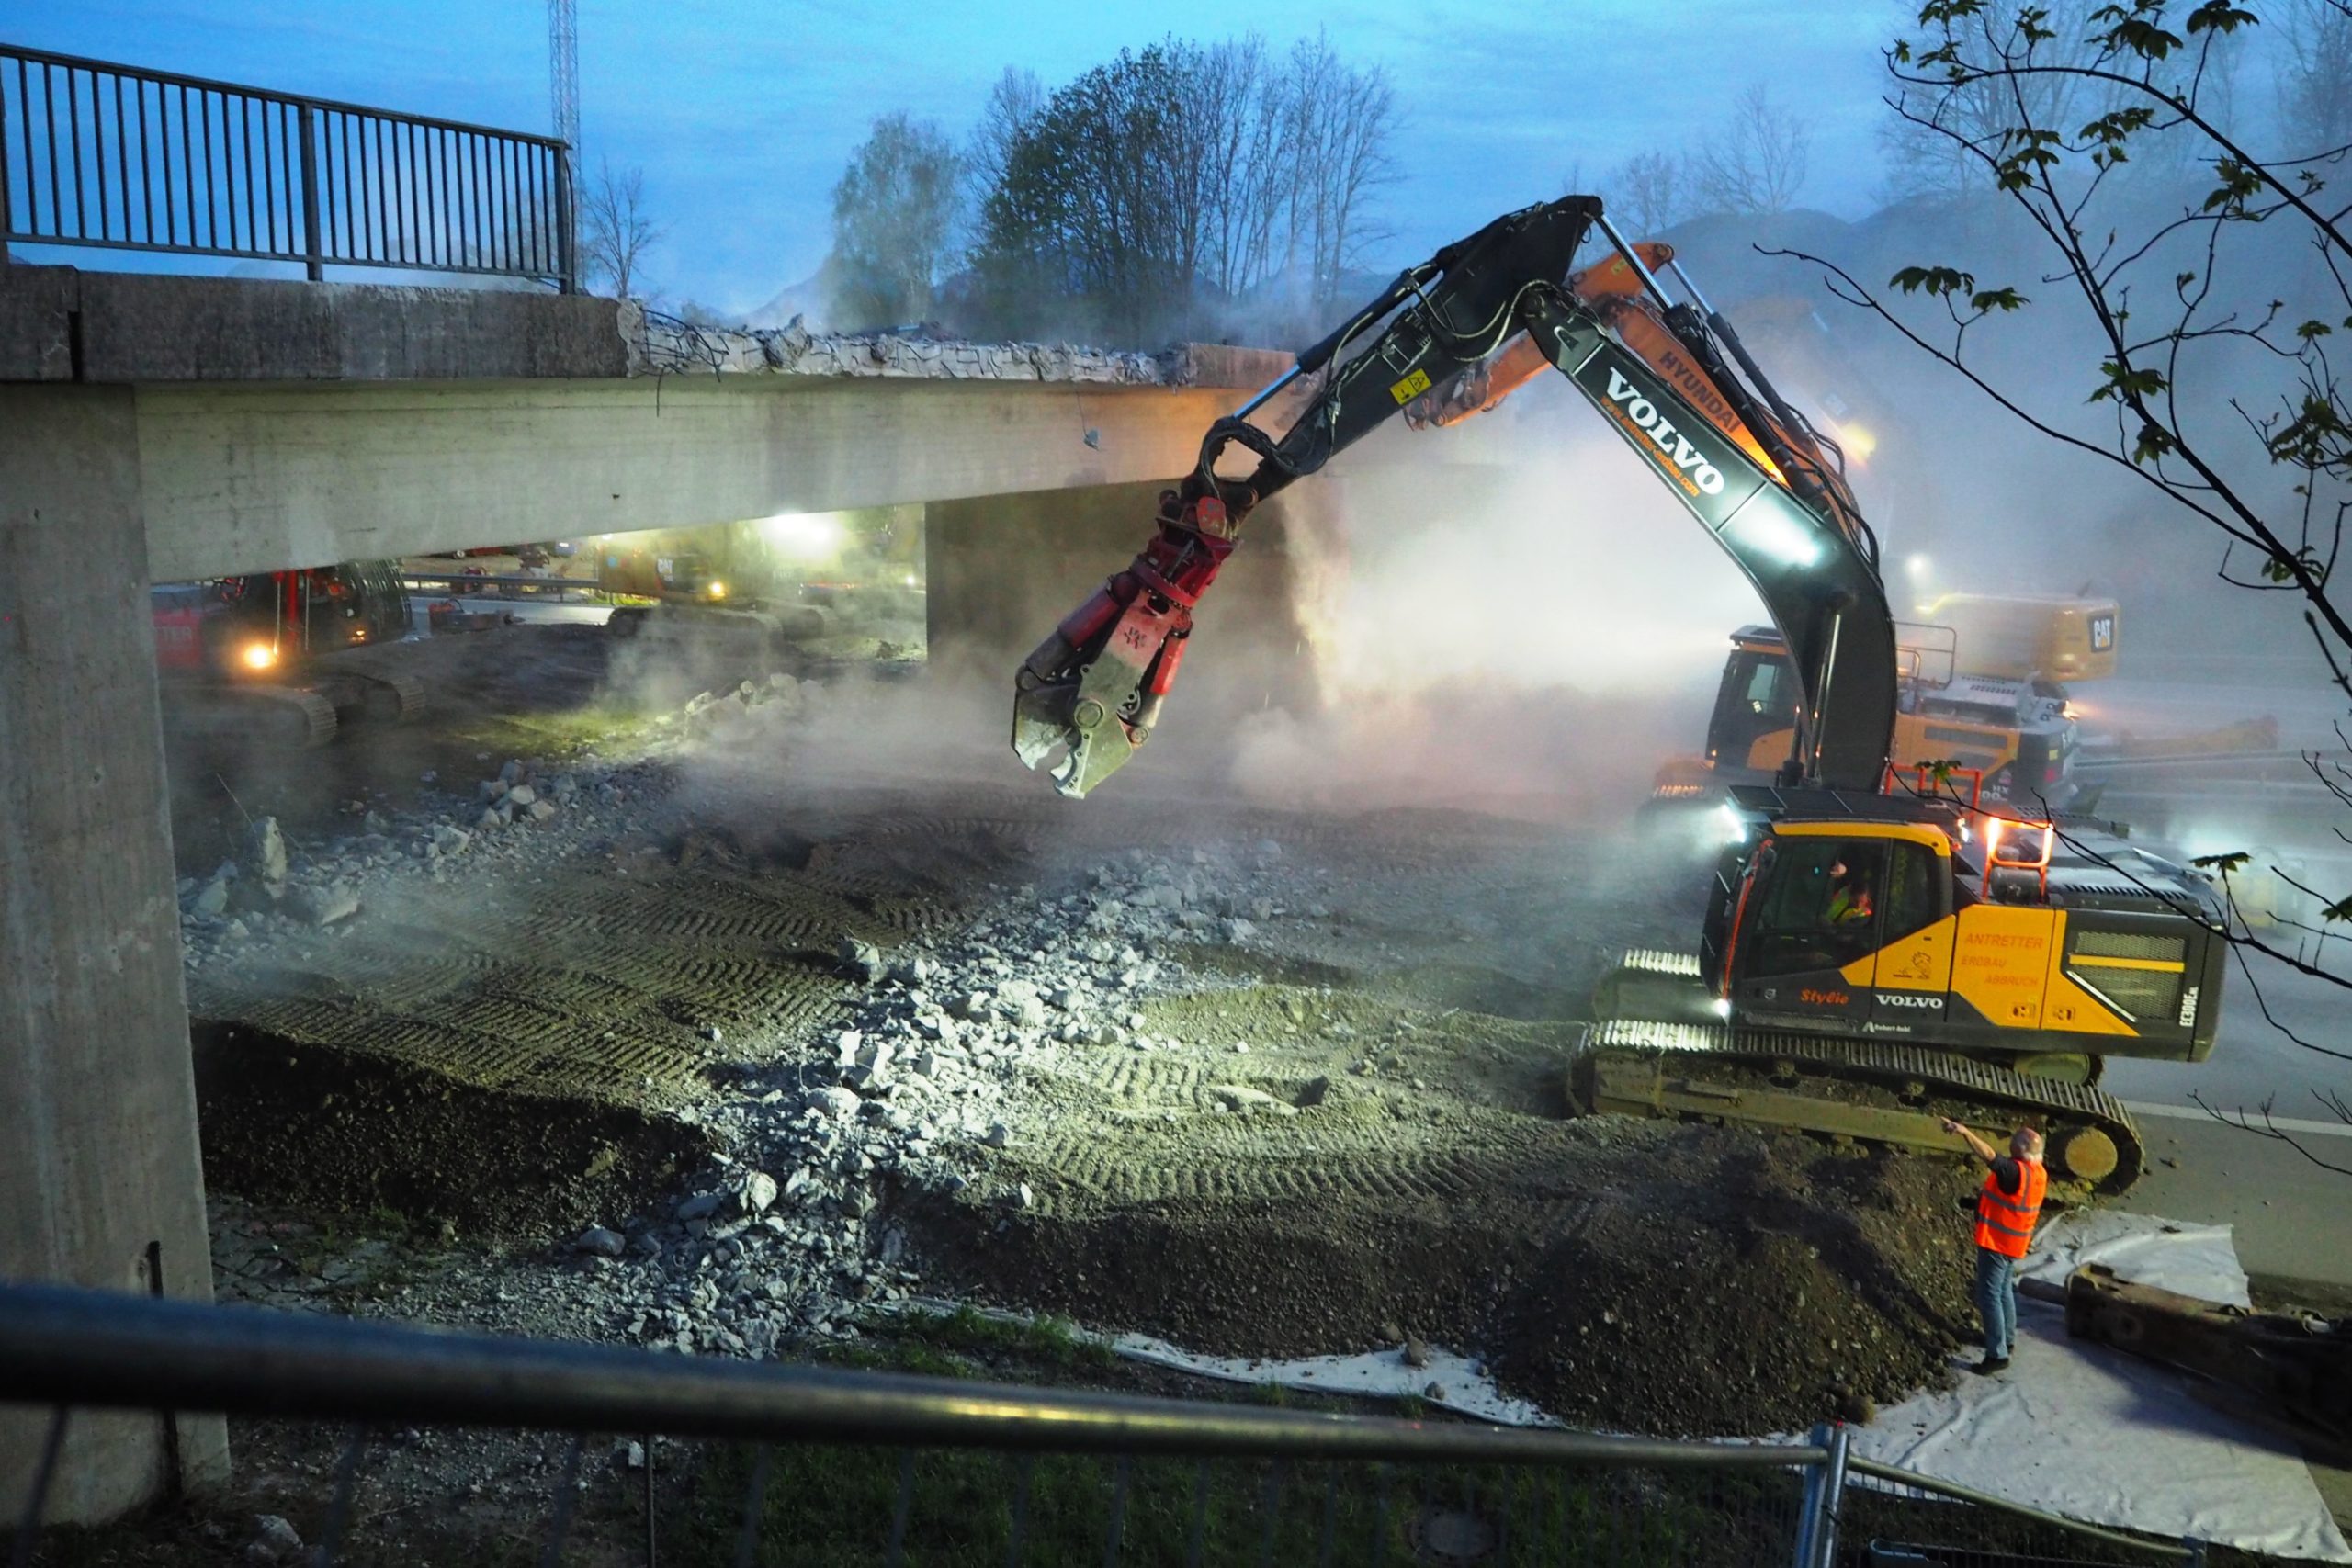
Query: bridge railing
pixel 767 1463
pixel 119 158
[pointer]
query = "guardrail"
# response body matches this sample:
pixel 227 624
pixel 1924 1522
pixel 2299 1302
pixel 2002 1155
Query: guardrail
pixel 119 158
pixel 1000 1473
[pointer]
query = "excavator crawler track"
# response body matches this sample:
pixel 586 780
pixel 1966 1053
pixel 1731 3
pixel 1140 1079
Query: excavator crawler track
pixel 1810 1083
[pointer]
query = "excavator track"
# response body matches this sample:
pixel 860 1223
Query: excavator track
pixel 277 718
pixel 1869 1091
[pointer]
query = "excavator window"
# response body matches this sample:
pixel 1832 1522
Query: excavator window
pixel 1915 898
pixel 1821 906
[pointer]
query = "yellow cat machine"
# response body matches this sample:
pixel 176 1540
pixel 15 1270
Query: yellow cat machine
pixel 1879 950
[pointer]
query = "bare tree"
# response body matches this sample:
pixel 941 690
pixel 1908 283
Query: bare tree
pixel 894 215
pixel 1338 124
pixel 1012 105
pixel 616 230
pixel 1756 162
pixel 1926 129
pixel 1653 190
pixel 1159 191
pixel 2315 74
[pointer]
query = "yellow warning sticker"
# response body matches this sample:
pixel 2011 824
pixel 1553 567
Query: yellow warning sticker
pixel 1411 387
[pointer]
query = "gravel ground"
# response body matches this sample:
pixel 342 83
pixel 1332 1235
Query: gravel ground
pixel 707 1008
pixel 651 1047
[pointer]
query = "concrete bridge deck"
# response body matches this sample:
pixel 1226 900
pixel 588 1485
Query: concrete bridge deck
pixel 280 425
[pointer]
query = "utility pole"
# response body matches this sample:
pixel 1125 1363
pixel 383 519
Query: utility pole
pixel 563 88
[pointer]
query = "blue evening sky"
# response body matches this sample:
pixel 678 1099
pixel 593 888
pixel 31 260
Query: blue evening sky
pixel 742 114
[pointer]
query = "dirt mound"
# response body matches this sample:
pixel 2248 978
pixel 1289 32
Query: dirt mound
pixel 334 1132
pixel 1631 1277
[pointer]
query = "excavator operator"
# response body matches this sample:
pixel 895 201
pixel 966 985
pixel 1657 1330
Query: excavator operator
pixel 1849 895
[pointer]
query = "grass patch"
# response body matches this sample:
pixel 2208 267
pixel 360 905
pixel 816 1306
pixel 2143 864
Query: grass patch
pixel 1048 1342
pixel 839 1506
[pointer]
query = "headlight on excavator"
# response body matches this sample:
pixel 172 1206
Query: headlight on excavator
pixel 716 589
pixel 259 656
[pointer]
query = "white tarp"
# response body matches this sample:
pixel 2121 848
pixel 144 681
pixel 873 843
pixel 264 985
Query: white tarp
pixel 2070 1428
pixel 2082 1430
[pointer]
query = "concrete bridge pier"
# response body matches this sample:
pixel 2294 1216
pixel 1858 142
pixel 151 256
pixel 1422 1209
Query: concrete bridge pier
pixel 100 1181
pixel 1003 570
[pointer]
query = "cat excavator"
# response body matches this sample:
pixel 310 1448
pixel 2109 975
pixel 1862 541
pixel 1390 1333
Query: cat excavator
pixel 1881 946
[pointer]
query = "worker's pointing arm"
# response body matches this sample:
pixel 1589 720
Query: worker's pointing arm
pixel 1984 1150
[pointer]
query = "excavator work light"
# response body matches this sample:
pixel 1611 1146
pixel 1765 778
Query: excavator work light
pixel 259 656
pixel 717 590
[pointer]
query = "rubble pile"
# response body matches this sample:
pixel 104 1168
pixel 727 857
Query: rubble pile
pixel 279 890
pixel 911 1087
pixel 790 1230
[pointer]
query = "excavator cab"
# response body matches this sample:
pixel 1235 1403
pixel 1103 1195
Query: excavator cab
pixel 2042 945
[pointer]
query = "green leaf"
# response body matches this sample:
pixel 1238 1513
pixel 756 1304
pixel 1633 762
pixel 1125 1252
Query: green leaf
pixel 2238 181
pixel 2153 443
pixel 2339 911
pixel 1933 280
pixel 2123 383
pixel 2310 330
pixel 1996 299
pixel 2225 863
pixel 2219 16
pixel 2143 38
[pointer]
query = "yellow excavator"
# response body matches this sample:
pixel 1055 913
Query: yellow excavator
pixel 1880 948
pixel 1983 685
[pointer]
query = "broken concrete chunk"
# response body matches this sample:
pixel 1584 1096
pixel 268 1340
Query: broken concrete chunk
pixel 522 795
pixel 212 898
pixel 758 1193
pixel 514 772
pixel 863 960
pixel 266 852
pixel 837 1102
pixel 701 1206
pixel 1241 1097
pixel 998 1134
pixel 601 1242
pixel 540 810
pixel 326 905
pixel 274 1541
pixel 449 841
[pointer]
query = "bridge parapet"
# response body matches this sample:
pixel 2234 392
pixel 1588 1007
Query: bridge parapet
pixel 60 323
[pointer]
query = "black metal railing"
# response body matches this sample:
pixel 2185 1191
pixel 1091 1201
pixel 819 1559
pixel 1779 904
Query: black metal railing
pixel 799 1463
pixel 112 156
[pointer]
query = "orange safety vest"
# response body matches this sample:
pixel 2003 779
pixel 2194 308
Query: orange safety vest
pixel 2005 1225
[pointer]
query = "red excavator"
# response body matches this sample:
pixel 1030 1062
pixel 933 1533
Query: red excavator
pixel 1879 948
pixel 239 655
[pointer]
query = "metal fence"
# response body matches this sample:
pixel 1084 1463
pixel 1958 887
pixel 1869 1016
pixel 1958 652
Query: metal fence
pixel 106 155
pixel 820 1465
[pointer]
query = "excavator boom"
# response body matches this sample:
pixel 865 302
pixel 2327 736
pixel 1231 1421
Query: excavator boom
pixel 1091 695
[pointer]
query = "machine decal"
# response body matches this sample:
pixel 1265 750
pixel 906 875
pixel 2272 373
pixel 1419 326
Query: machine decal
pixel 1685 461
pixel 1411 387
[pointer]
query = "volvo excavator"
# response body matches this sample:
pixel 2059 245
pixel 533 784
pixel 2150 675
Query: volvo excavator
pixel 1882 947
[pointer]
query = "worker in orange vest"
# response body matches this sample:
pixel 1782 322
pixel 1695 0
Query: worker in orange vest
pixel 2006 1207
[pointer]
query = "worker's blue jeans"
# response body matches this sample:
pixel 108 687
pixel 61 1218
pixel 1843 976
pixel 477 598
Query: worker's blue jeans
pixel 1996 1301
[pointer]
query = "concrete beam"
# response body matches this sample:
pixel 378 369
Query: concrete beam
pixel 248 478
pixel 100 1183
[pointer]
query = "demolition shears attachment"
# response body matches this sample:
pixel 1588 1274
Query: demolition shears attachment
pixel 1087 699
